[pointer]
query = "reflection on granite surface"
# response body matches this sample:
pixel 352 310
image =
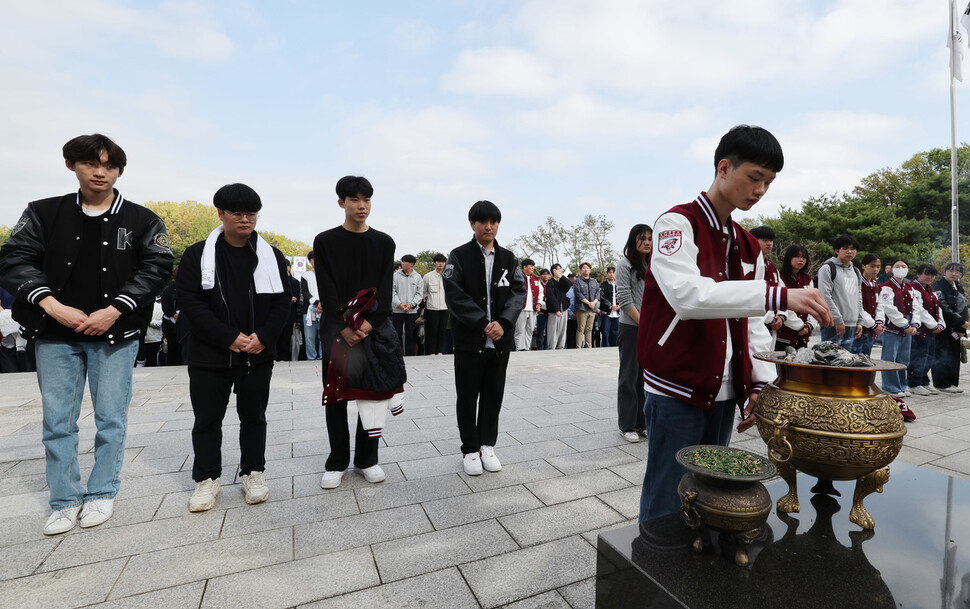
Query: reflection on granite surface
pixel 811 561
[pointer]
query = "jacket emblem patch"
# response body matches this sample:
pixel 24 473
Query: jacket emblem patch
pixel 124 238
pixel 448 271
pixel 24 221
pixel 669 242
pixel 504 279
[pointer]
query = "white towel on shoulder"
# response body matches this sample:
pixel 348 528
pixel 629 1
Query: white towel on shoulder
pixel 266 277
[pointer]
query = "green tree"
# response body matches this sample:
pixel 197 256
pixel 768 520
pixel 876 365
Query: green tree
pixel 4 233
pixel 186 223
pixel 289 247
pixel 425 263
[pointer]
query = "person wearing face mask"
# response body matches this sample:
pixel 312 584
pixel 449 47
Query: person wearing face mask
pixel 924 342
pixel 953 302
pixel 902 310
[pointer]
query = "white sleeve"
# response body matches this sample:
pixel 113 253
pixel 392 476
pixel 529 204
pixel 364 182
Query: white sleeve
pixel 889 310
pixel 693 296
pixel 920 316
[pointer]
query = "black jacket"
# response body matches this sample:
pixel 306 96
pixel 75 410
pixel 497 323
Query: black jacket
pixel 607 297
pixel 207 311
pixel 43 248
pixel 464 279
pixel 556 294
pixel 953 302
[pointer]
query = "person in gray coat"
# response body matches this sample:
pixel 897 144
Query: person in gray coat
pixel 408 292
pixel 839 283
pixel 630 271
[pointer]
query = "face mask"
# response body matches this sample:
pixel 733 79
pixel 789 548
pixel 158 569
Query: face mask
pixel 900 273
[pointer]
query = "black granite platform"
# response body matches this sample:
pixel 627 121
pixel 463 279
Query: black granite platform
pixel 816 559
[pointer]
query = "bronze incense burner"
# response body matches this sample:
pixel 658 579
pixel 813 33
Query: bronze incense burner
pixel 833 423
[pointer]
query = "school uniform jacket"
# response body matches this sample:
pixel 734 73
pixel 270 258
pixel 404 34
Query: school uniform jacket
pixel 796 322
pixel 901 306
pixel 932 315
pixel 136 261
pixel 704 280
pixel 869 316
pixel 465 294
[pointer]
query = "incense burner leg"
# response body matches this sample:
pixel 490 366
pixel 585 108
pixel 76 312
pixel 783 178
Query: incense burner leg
pixel 865 486
pixel 744 540
pixel 788 503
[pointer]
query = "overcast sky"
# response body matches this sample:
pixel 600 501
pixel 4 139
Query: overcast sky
pixel 558 107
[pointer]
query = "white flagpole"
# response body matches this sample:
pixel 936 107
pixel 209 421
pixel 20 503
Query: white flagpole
pixel 954 197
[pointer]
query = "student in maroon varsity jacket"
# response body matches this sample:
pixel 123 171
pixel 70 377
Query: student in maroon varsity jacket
pixel 704 298
pixel 923 348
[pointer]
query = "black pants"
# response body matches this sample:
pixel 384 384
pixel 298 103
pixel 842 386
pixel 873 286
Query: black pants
pixel 284 345
pixel 946 365
pixel 365 449
pixel 480 385
pixel 434 331
pixel 404 325
pixel 209 390
pixel 629 390
pixel 173 357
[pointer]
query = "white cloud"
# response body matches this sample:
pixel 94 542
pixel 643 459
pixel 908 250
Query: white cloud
pixel 188 31
pixel 414 36
pixel 500 71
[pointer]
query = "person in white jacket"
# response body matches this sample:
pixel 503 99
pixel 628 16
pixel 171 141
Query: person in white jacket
pixel 408 292
pixel 901 306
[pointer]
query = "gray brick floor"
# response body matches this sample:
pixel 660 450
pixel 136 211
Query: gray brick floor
pixel 429 536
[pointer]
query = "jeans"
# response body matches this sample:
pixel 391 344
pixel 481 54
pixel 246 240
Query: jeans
pixel 674 425
pixel 895 348
pixel 845 341
pixel 863 344
pixel 61 371
pixel 610 330
pixel 921 356
pixel 540 338
pixel 311 334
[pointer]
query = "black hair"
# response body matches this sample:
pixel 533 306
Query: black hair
pixel 352 186
pixel 763 232
pixel 483 211
pixel 745 143
pixel 237 197
pixel 845 241
pixel 408 258
pixel 954 265
pixel 440 258
pixel 927 269
pixel 555 266
pixel 309 255
pixel 582 264
pixel 610 268
pixel 90 147
pixel 794 250
pixel 528 262
pixel 903 260
pixel 637 262
pixel 544 272
pixel 869 258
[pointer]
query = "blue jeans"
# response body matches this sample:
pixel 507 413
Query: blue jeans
pixel 611 331
pixel 863 344
pixel 895 348
pixel 672 425
pixel 845 341
pixel 921 356
pixel 311 336
pixel 61 370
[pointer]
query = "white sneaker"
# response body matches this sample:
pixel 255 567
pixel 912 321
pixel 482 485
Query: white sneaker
pixel 372 474
pixel 472 464
pixel 489 461
pixel 62 521
pixel 900 394
pixel 204 497
pixel 631 436
pixel 952 390
pixel 920 390
pixel 331 479
pixel 254 488
pixel 933 390
pixel 96 512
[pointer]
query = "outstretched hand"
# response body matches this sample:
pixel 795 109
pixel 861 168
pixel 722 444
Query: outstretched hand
pixel 748 413
pixel 809 300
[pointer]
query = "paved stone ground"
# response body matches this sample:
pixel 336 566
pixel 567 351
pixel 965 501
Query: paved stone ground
pixel 429 536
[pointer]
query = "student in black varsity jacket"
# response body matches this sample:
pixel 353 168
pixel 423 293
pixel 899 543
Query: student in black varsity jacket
pixel 485 292
pixel 85 269
pixel 234 293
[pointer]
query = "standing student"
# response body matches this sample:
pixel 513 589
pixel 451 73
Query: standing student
pixel 234 292
pixel 85 268
pixel 557 308
pixel 873 321
pixel 350 258
pixel 485 291
pixel 923 349
pixel 408 293
pixel 839 281
pixel 797 327
pixel 953 301
pixel 436 309
pixel 705 287
pixel 310 295
pixel 630 271
pixel 586 294
pixel 609 310
pixel 525 323
pixel 902 307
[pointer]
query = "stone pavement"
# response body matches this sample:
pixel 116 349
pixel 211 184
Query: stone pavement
pixel 429 536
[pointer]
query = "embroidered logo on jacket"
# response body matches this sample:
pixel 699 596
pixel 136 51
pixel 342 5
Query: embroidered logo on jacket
pixel 669 241
pixel 124 238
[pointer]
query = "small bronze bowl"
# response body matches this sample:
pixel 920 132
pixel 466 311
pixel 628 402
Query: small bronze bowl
pixel 737 505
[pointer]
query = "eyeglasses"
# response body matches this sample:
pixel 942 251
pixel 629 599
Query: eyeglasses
pixel 239 215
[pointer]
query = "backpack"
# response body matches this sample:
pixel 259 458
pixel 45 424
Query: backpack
pixel 832 272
